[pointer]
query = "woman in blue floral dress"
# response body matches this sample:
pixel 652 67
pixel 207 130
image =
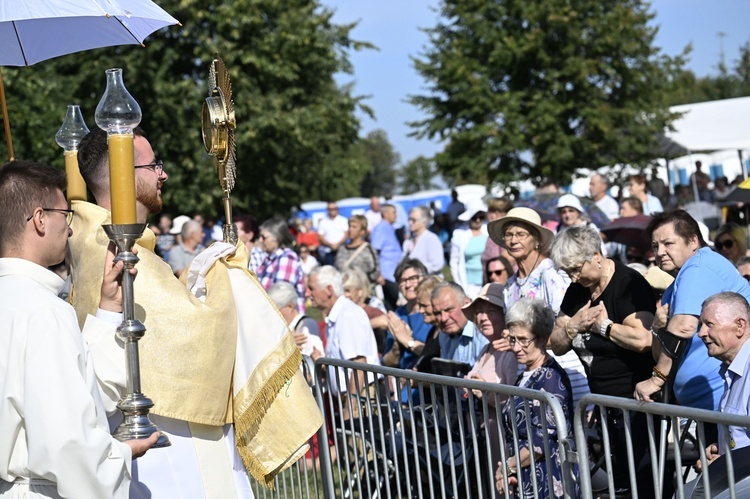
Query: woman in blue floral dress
pixel 530 323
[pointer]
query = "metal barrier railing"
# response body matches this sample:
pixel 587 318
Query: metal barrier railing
pixel 402 434
pixel 407 434
pixel 650 476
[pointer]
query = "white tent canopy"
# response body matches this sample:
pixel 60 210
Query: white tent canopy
pixel 713 126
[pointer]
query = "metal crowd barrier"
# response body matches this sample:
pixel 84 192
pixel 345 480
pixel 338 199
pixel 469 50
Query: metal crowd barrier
pixel 390 433
pixel 665 467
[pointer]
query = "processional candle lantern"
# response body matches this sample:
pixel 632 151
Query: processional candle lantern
pixel 118 114
pixel 72 131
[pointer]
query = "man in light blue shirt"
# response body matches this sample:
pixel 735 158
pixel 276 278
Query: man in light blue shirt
pixel 724 331
pixel 383 240
pixel 459 338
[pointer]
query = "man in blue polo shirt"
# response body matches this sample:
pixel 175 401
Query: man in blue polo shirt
pixel 459 338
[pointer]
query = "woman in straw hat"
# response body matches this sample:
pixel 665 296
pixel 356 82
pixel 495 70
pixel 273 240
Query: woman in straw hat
pixel 521 233
pixel 527 241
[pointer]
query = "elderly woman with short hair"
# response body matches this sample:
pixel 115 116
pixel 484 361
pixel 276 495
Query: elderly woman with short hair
pixel 605 318
pixel 406 322
pixel 530 323
pixel 357 289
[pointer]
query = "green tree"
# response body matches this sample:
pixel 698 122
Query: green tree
pixel 379 160
pixel 418 175
pixel 724 85
pixel 296 129
pixel 576 83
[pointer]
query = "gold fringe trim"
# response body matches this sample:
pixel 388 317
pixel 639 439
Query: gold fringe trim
pixel 246 424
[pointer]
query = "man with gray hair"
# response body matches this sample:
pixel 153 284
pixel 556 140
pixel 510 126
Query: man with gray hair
pixel 598 186
pixel 724 330
pixel 460 340
pixel 181 255
pixel 383 239
pixel 424 245
pixel 348 331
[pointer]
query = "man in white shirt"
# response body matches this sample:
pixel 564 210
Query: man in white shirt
pixel 372 214
pixel 598 186
pixel 424 245
pixel 54 435
pixel 725 332
pixel 349 334
pixel 332 233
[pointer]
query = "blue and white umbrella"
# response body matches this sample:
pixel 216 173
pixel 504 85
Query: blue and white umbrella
pixel 35 30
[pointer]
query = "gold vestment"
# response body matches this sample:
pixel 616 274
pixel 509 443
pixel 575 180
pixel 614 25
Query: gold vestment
pixel 191 350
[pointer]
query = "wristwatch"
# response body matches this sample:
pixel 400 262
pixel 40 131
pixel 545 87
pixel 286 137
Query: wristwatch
pixel 411 344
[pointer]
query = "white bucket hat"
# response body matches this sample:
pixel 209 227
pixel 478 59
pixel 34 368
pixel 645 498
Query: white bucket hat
pixel 472 208
pixel 570 201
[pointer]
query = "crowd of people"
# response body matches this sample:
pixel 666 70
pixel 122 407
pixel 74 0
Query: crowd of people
pixel 493 288
pixel 519 300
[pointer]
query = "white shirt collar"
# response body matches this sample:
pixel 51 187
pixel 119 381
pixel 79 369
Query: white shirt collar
pixel 19 266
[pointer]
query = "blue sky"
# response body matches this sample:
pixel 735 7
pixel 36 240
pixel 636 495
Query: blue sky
pixel 387 74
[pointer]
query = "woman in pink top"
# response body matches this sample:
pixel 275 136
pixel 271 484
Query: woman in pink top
pixel 496 363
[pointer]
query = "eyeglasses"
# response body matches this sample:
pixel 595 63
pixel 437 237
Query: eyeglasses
pixel 524 342
pixel 720 245
pixel 496 273
pixel 156 167
pixel 68 214
pixel 414 278
pixel 520 236
pixel 575 272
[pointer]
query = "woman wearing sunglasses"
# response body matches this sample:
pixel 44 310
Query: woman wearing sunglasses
pixel 497 270
pixel 731 242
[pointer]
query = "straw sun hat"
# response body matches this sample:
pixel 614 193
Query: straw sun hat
pixel 523 215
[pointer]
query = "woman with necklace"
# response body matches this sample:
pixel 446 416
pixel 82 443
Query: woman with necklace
pixel 605 318
pixel 521 233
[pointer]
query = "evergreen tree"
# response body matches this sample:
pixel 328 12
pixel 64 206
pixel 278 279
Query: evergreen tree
pixel 379 162
pixel 540 88
pixel 418 175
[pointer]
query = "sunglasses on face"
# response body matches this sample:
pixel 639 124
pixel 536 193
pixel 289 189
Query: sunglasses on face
pixel 496 273
pixel 720 245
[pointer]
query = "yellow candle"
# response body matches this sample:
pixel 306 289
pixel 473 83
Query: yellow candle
pixel 122 178
pixel 76 186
